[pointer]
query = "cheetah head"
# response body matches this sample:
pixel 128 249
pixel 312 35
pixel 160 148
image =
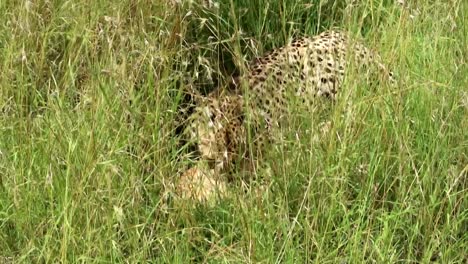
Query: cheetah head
pixel 216 128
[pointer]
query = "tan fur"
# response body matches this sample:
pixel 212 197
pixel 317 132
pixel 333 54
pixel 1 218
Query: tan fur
pixel 306 68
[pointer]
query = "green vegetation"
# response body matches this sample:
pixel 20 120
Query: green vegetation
pixel 89 92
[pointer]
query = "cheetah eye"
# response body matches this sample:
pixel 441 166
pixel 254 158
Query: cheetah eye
pixel 209 113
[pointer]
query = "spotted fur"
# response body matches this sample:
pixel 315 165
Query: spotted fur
pixel 306 68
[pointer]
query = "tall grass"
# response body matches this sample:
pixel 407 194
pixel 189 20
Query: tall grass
pixel 89 94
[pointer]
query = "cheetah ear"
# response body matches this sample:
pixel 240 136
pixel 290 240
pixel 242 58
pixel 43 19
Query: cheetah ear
pixel 197 97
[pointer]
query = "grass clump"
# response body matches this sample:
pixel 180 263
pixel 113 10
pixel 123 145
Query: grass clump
pixel 89 94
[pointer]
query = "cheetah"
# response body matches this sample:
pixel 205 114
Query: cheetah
pixel 307 69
